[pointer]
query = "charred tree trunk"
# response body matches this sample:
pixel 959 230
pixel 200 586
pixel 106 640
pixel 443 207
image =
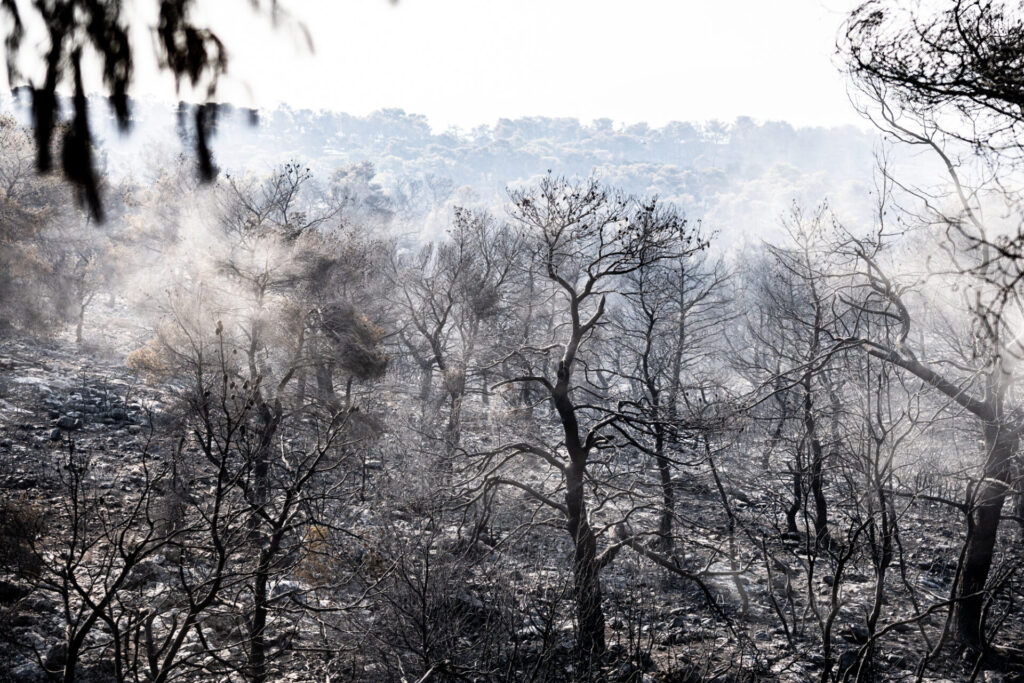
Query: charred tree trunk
pixel 80 324
pixel 668 504
pixel 881 537
pixel 797 470
pixel 426 380
pixel 1017 474
pixel 269 417
pixel 300 382
pixel 455 383
pixel 325 381
pixel 816 470
pixel 590 641
pixel 258 625
pixel 83 303
pixel 70 662
pixel 776 434
pixel 261 608
pixel 1001 445
pixel 659 427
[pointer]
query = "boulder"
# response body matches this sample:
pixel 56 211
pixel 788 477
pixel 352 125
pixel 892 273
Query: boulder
pixel 68 423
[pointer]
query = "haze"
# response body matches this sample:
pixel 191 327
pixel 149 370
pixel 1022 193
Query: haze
pixel 464 63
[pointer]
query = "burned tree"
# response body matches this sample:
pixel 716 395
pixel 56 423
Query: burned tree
pixel 452 296
pixel 673 311
pixel 796 323
pixel 586 238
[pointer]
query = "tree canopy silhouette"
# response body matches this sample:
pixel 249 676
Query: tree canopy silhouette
pixel 966 58
pixel 192 53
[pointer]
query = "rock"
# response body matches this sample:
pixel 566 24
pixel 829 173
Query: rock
pixel 629 669
pixel 20 482
pixel 679 621
pixel 145 573
pixel 40 604
pixel 12 592
pixel 23 619
pixel 55 657
pixel 285 588
pixel 674 638
pixel 847 660
pixel 739 494
pixel 28 673
pixel 69 423
pixel 55 434
pixel 894 660
pixel 857 635
pixel 469 609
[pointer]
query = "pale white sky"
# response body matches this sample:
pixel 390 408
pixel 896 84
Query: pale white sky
pixel 467 62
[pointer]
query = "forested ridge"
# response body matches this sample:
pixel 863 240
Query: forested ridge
pixel 738 175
